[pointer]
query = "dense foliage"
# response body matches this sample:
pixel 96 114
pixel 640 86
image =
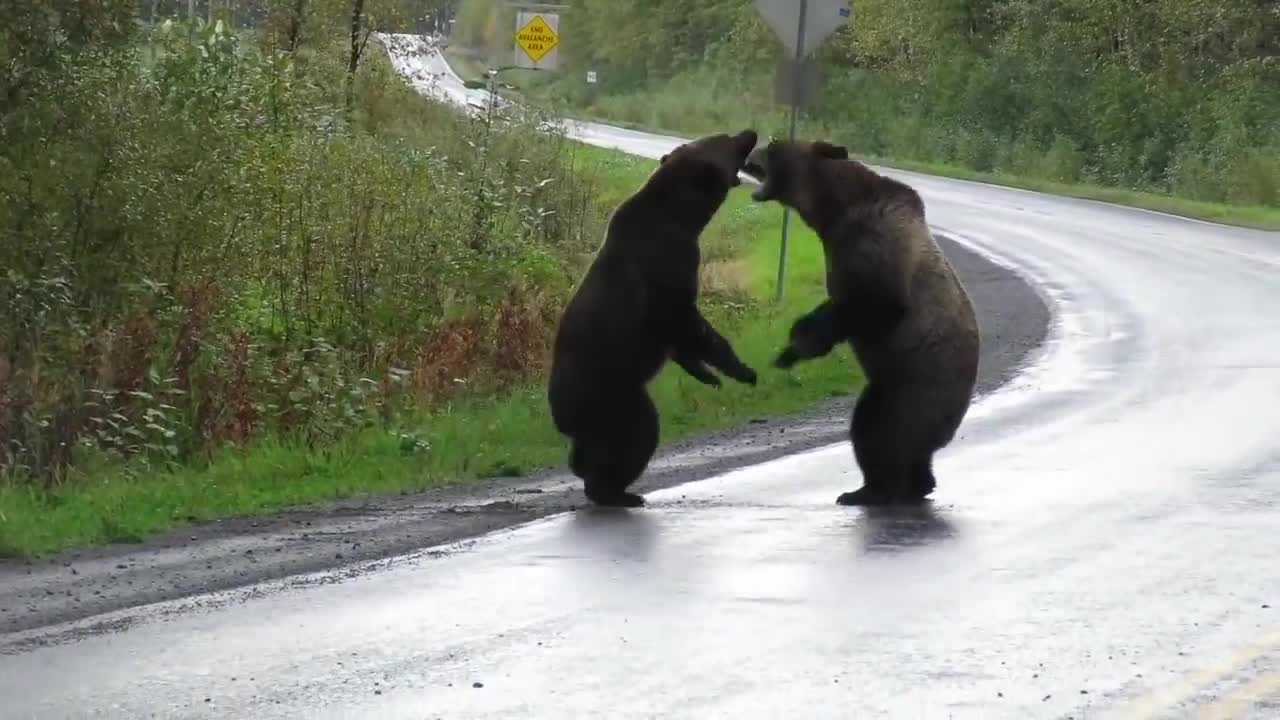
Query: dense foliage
pixel 224 218
pixel 204 237
pixel 1180 96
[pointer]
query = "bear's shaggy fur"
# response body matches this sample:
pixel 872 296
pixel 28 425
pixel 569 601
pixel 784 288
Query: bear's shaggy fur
pixel 635 308
pixel 894 297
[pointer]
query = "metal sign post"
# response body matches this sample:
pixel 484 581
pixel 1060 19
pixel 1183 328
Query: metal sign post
pixel 791 135
pixel 801 27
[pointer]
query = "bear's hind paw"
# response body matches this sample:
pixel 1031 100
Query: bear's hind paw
pixel 863 496
pixel 616 499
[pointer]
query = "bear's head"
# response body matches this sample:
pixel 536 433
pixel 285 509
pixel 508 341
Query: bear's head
pixel 789 170
pixel 711 163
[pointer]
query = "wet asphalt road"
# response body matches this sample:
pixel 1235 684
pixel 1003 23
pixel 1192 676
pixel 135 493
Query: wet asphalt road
pixel 1103 544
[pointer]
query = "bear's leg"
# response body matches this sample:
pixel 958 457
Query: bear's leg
pixel 868 415
pixel 922 480
pixel 691 363
pixel 720 354
pixel 579 459
pixel 876 438
pixel 812 335
pixel 928 416
pixel 589 460
pixel 623 453
pixel 699 339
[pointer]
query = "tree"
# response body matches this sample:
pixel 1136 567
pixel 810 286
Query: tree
pixel 295 23
pixel 357 47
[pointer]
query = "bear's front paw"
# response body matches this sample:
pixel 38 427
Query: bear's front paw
pixel 746 375
pixel 806 345
pixel 786 358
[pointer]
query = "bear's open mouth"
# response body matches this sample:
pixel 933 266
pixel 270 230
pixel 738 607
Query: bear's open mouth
pixel 757 172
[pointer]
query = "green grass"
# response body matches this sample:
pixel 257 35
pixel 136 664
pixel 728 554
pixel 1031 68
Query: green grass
pixel 1262 218
pixel 478 437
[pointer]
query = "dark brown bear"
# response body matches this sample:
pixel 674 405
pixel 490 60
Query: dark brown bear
pixel 894 297
pixel 635 308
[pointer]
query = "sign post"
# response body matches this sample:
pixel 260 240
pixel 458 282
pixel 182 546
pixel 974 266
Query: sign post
pixel 801 27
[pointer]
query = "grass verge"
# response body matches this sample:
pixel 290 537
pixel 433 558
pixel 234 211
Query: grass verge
pixel 474 437
pixel 1261 218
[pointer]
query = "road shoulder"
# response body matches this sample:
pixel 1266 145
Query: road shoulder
pixel 236 552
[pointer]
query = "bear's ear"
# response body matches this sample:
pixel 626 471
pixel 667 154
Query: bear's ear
pixel 830 151
pixel 663 158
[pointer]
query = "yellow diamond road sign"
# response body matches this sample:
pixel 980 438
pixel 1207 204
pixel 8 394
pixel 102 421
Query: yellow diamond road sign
pixel 537 38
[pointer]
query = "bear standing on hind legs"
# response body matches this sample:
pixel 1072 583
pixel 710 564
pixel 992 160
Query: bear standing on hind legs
pixel 894 297
pixel 635 308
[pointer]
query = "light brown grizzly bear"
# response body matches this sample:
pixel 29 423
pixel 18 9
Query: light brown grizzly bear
pixel 894 297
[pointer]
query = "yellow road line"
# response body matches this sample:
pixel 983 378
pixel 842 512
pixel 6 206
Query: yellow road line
pixel 1234 705
pixel 1161 700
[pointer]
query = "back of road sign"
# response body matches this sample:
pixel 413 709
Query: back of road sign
pixel 821 18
